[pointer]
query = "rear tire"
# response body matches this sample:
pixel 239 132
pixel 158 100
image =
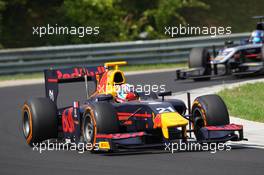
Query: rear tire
pixel 208 110
pixel 199 58
pixel 39 120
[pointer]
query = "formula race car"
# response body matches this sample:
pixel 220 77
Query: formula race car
pixel 109 122
pixel 243 59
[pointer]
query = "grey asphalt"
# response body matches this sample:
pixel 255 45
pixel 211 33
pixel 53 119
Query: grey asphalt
pixel 18 158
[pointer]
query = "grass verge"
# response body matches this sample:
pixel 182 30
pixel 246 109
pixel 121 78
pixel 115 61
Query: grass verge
pixel 152 66
pixel 246 101
pixel 124 68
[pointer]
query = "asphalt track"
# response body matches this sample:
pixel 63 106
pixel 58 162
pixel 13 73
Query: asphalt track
pixel 18 158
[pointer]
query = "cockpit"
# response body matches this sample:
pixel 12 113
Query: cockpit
pixel 119 78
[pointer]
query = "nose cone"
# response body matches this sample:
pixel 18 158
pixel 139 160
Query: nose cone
pixel 168 120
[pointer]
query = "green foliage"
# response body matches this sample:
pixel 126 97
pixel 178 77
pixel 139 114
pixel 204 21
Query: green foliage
pixel 167 13
pixel 119 20
pixel 19 16
pixel 100 13
pixel 234 13
pixel 2 7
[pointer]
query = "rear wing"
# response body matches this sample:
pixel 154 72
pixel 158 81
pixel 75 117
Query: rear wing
pixel 53 77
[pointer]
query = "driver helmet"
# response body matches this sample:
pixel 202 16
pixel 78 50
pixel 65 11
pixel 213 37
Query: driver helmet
pixel 125 93
pixel 257 36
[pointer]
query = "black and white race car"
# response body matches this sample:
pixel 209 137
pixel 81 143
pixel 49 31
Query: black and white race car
pixel 234 59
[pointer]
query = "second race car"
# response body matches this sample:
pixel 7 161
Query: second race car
pixel 234 59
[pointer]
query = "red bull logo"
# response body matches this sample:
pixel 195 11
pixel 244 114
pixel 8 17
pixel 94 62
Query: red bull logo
pixel 78 72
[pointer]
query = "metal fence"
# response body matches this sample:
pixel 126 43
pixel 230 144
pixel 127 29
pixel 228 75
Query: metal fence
pixel 137 52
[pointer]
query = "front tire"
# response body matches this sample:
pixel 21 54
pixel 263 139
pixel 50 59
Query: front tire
pixel 99 118
pixel 199 58
pixel 208 110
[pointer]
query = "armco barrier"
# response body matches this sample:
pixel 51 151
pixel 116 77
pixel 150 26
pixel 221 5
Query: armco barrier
pixel 136 52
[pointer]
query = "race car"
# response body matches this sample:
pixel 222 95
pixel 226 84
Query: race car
pixel 245 58
pixel 139 120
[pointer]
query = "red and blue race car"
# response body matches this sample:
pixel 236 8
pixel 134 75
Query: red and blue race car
pixel 109 123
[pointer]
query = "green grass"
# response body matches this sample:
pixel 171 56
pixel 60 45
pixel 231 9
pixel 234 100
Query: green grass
pixel 123 68
pixel 21 76
pixel 152 66
pixel 246 101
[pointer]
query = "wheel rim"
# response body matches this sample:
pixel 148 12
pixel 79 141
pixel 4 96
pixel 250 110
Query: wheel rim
pixel 88 129
pixel 197 112
pixel 26 124
pixel 198 125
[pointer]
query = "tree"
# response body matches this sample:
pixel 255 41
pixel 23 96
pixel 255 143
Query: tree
pixel 160 13
pixel 95 13
pixel 2 7
pixel 121 20
pixel 118 20
pixel 19 16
